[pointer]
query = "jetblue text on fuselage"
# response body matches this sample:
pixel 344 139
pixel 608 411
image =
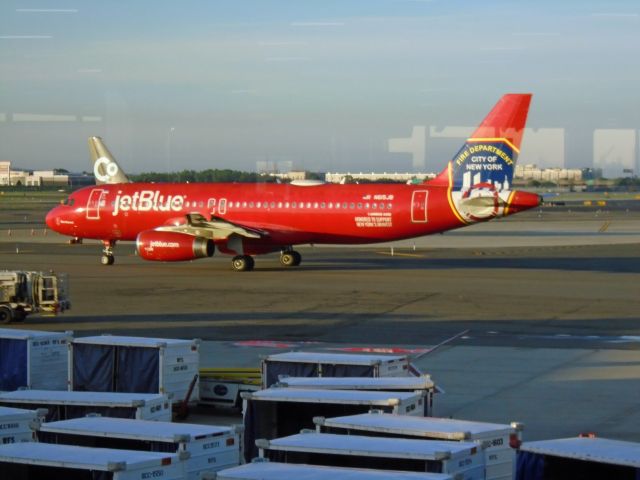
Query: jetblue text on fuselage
pixel 148 201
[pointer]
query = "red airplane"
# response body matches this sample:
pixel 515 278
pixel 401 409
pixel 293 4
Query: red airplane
pixel 185 221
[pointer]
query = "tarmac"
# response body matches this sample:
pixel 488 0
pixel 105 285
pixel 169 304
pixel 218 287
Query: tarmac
pixel 549 301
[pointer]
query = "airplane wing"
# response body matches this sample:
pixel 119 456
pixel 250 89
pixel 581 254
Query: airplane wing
pixel 216 228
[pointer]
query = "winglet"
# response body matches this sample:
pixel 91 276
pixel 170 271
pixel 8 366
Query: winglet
pixel 105 168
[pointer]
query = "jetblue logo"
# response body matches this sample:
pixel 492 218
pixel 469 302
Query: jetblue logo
pixel 148 201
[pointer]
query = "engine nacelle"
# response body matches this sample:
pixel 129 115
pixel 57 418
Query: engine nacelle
pixel 172 246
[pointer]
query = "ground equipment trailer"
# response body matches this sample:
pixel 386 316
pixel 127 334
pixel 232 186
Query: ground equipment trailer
pixel 23 293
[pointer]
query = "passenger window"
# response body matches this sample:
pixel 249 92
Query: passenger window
pixel 344 205
pixel 359 206
pixel 374 205
pixel 244 204
pixel 315 205
pixel 279 204
pixel 286 205
pixel 294 204
pixel 250 204
pixel 389 206
pixel 273 204
pixel 352 205
pixel 323 205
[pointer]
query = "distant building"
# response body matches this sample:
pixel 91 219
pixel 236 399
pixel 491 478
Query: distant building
pixel 292 175
pixel 337 177
pixel 37 178
pixel 560 176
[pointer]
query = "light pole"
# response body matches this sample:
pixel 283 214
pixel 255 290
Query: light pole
pixel 171 130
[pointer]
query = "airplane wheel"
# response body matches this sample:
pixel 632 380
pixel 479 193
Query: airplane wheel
pixel 107 259
pixel 6 315
pixel 287 259
pixel 297 258
pixel 242 263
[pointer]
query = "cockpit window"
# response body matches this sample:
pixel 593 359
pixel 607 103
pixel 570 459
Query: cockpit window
pixel 69 201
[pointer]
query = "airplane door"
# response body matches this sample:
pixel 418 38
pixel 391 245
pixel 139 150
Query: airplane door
pixel 222 206
pixel 419 206
pixel 211 204
pixel 96 200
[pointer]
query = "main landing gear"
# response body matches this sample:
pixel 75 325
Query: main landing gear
pixel 290 258
pixel 243 263
pixel 107 252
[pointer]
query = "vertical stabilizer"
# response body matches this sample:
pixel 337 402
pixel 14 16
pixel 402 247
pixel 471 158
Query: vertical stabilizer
pixel 481 173
pixel 105 168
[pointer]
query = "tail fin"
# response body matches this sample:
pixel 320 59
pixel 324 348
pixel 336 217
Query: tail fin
pixel 105 167
pixel 488 157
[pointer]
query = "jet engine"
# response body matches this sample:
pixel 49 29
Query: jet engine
pixel 172 246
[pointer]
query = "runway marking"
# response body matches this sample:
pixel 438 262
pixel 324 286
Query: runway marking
pixel 396 254
pixel 605 226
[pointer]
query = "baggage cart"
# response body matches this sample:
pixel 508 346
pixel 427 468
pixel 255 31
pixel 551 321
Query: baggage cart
pixel 261 470
pixel 459 459
pixel 586 458
pixel 319 364
pixel 17 424
pixel 422 383
pixel 499 441
pixel 277 412
pixel 201 448
pixel 63 405
pixel 48 461
pixel 109 363
pixel 33 359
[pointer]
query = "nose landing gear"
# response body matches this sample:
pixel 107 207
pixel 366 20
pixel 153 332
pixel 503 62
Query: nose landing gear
pixel 107 252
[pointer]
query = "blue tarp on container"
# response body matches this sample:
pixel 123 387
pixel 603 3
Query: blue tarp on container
pixel 106 368
pixel 13 364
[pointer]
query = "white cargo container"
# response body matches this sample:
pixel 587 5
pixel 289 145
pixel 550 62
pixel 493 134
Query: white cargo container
pixel 63 405
pixel 499 440
pixel 586 458
pixel 202 448
pixel 459 459
pixel 109 363
pixel 17 424
pixel 277 412
pixel 48 461
pixel 33 359
pixel 422 383
pixel 319 364
pixel 262 470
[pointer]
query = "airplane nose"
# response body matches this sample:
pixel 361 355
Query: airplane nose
pixel 51 217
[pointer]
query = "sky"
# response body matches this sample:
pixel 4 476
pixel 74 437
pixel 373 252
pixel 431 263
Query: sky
pixel 320 86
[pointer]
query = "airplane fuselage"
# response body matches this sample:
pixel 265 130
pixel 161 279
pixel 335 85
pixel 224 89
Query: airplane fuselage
pixel 289 214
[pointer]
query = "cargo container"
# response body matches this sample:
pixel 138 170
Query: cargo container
pixel 262 470
pixel 17 424
pixel 459 459
pixel 277 412
pixel 109 363
pixel 499 441
pixel 201 448
pixel 48 461
pixel 586 458
pixel 63 405
pixel 422 383
pixel 314 364
pixel 33 359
